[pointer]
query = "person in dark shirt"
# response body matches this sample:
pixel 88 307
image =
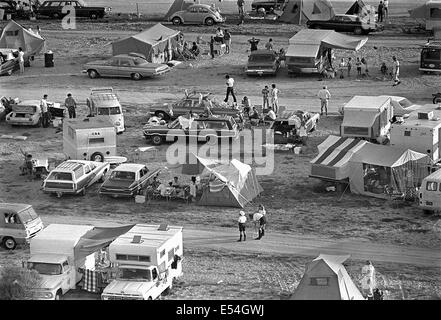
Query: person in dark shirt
pixel 253 42
pixel 212 47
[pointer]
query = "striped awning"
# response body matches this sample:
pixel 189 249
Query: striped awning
pixel 332 162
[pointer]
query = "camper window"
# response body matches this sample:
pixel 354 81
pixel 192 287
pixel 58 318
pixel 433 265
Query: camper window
pixel 322 281
pixel 162 253
pixel 171 254
pixel 435 13
pixel 96 140
pixel 431 186
pixel 125 257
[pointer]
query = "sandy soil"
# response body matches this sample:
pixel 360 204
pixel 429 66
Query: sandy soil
pixel 297 204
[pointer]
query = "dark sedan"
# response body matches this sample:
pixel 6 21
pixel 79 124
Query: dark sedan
pixel 130 65
pixel 262 62
pixel 345 23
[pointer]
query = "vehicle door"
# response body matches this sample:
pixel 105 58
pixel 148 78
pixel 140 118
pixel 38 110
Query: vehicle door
pixel 191 15
pixel 68 280
pixel 126 67
pixel 13 226
pixel 111 68
pixel 158 286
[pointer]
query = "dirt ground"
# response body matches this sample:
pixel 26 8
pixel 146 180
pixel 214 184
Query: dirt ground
pixel 297 204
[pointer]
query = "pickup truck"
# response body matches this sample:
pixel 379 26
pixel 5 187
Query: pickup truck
pixel 75 176
pixel 203 129
pixel 54 9
pixel 127 180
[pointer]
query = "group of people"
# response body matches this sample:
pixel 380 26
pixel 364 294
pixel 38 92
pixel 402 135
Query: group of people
pixel 259 217
pixel 383 10
pixel 254 42
pixel 173 188
pixel 222 37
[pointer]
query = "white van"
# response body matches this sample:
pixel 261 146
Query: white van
pixel 104 103
pixel 430 192
pixel 89 139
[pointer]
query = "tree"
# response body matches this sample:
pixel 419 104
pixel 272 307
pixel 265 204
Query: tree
pixel 17 283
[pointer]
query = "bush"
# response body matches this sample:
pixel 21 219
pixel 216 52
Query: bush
pixel 17 283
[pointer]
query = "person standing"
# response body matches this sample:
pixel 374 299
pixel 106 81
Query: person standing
pixel 342 66
pixel 386 9
pixel 21 60
pixel 242 226
pixel 396 71
pixel 253 42
pixel 324 96
pixel 240 5
pixel 230 89
pixel 262 222
pixel 368 279
pixel 44 111
pixel 275 98
pixel 212 47
pixel 380 11
pixel 265 97
pixel 71 105
pixel 227 40
pixel 349 66
pixel 358 64
pixel 269 45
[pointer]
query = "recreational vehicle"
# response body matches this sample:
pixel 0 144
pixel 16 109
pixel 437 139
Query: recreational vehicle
pixel 104 103
pixel 89 139
pixel 430 193
pixel 367 117
pixel 431 57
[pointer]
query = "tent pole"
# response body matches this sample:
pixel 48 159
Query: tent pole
pixel 301 12
pixel 343 192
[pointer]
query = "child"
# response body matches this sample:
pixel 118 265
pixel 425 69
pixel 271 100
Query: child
pixel 358 64
pixel 246 106
pixel 383 70
pixel 265 96
pixel 349 66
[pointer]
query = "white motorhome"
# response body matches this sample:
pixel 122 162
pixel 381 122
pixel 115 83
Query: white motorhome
pixel 53 257
pixel 89 139
pixel 104 103
pixel 419 132
pixel 367 117
pixel 430 193
pixel 148 259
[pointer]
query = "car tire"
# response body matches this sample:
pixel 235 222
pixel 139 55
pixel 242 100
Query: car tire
pixel 9 243
pixel 93 74
pixel 209 21
pixel 157 140
pixel 164 115
pixel 358 31
pixel 136 76
pixel 177 21
pixel 97 156
pixel 58 295
pixel 149 298
pixel 436 100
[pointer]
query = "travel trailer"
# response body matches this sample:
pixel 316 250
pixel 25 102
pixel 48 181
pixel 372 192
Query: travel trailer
pixel 104 103
pixel 430 193
pixel 148 259
pixel 367 117
pixel 89 139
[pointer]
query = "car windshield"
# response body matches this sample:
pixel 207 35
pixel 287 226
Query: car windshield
pixel 431 54
pixel 28 215
pixel 134 274
pixel 108 111
pixel 139 61
pixel 45 268
pixel 261 58
pixel 60 176
pixel 405 103
pixel 122 175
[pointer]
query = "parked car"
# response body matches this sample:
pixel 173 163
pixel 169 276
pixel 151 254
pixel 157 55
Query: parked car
pixel 268 5
pixel 130 65
pixel 345 23
pixel 74 177
pixel 222 127
pixel 197 14
pixel 127 180
pixel 190 102
pixel 19 223
pixel 54 9
pixel 27 113
pixel 262 62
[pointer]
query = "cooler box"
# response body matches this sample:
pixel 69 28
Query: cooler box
pixel 49 59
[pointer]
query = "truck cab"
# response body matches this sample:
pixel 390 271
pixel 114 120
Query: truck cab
pixel 57 274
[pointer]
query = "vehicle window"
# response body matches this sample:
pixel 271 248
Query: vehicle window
pixel 435 13
pixel 67 3
pixel 60 176
pixel 78 173
pixel 431 54
pixel 114 110
pixel 431 186
pixel 261 58
pixel 203 10
pixel 114 62
pixel 171 254
pixel 193 10
pixel 28 215
pixel 405 103
pixel 96 140
pixel 216 125
pixel 124 62
pixel 187 103
pixel 138 61
pixel 87 169
pixel 131 274
pixel 53 4
pixel 103 111
pixel 144 171
pixel 45 268
pixel 12 218
pixel 123 175
pixel 154 274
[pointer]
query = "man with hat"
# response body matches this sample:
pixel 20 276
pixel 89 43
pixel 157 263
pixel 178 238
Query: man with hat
pixel 242 220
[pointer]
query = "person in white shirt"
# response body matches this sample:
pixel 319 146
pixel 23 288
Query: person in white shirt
pixel 386 8
pixel 242 220
pixel 21 59
pixel 44 111
pixel 219 35
pixel 162 189
pixel 368 282
pixel 271 115
pixel 275 98
pixel 324 96
pixel 396 71
pixel 230 89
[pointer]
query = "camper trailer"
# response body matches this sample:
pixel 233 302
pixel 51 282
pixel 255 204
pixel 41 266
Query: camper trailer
pixel 419 132
pixel 430 193
pixel 430 13
pixel 90 139
pixel 430 60
pixel 148 259
pixel 53 257
pixel 367 117
pixel 104 103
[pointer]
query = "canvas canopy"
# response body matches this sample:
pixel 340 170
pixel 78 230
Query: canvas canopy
pixel 326 38
pixel 332 162
pixel 156 44
pixel 15 36
pixel 326 278
pixel 231 184
pixel 379 170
